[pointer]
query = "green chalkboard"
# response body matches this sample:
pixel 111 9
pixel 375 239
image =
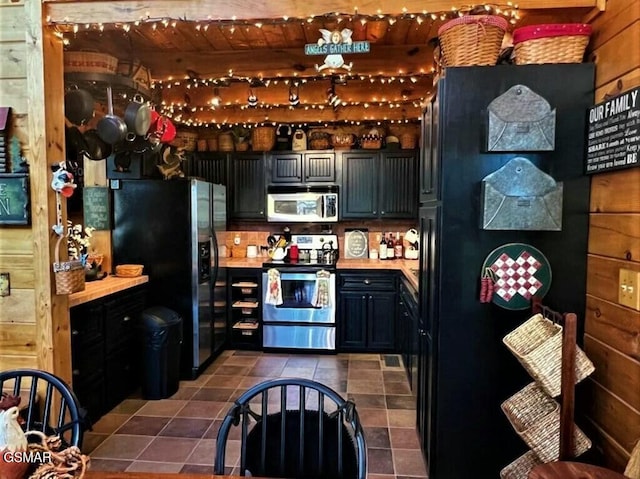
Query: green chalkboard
pixel 96 207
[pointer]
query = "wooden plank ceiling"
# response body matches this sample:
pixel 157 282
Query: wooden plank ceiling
pixel 193 60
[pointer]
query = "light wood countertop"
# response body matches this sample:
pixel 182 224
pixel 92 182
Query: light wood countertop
pixel 104 287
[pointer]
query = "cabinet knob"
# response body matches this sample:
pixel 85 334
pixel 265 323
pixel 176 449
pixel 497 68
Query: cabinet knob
pixel 364 296
pixel 262 212
pixel 74 332
pixel 126 319
pixel 374 212
pixel 76 372
pixel 366 281
pixel 382 212
pixel 406 314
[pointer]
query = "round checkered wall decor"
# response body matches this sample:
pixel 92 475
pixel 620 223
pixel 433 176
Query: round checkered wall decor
pixel 520 271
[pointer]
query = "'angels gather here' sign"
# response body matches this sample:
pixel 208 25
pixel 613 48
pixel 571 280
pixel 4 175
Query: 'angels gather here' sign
pixel 334 44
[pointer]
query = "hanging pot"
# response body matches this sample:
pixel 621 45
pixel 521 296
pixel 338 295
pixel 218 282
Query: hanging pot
pixel 112 128
pixel 97 148
pixel 78 106
pixel 137 116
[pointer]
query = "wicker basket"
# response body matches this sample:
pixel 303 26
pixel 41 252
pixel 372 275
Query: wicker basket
pixel 129 270
pixel 551 43
pixel 471 40
pixel 343 141
pixel 537 344
pixel 225 142
pixel 520 468
pixel 536 418
pixel 263 138
pixel 370 142
pixel 319 144
pixel 242 146
pixel 69 275
pixel 89 62
pixel 201 144
pixel 407 141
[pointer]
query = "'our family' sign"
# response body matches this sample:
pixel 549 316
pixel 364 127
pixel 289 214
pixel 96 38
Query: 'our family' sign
pixel 613 140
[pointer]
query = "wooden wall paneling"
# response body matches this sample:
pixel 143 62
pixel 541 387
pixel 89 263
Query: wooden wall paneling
pixel 615 371
pixel 612 414
pixel 616 192
pixel 16 241
pixel 619 15
pixel 13 92
pixel 615 235
pixel 11 22
pixel 13 59
pixel 18 361
pixel 18 338
pixel 615 58
pixel 20 268
pixel 626 82
pixel 615 325
pixel 19 307
pixel 603 276
pixel 46 142
pixel 613 454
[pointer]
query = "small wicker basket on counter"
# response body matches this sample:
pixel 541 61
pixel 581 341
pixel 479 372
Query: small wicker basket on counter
pixel 551 43
pixel 471 40
pixel 129 270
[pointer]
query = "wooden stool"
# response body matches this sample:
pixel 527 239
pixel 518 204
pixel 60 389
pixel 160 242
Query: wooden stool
pixel 572 470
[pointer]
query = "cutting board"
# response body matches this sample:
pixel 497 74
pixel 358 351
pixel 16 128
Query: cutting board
pixel 356 243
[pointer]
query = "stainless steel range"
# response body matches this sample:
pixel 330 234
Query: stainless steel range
pixel 299 310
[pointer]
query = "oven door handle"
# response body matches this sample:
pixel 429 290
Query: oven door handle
pixel 297 276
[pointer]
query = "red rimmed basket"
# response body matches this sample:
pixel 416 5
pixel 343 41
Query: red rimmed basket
pixel 471 40
pixel 551 43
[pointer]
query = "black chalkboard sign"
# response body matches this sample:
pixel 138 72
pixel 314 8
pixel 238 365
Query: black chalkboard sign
pixel 613 140
pixel 95 205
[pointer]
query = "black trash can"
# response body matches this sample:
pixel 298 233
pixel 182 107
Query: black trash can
pixel 162 340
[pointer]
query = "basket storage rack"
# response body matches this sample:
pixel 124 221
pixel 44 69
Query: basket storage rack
pixel 558 438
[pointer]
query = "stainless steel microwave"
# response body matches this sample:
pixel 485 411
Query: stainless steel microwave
pixel 301 205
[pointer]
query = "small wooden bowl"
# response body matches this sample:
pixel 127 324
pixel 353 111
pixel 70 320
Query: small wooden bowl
pixel 129 270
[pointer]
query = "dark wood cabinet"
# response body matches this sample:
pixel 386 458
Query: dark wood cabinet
pixel 379 184
pixel 398 184
pixel 407 331
pixel 367 311
pixel 302 167
pixel 464 370
pixel 210 166
pixel 105 346
pixel 247 192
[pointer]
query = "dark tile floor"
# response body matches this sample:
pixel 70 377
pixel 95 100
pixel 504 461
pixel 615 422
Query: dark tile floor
pixel 179 434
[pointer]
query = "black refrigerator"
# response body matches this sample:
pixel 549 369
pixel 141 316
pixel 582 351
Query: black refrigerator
pixel 170 227
pixel 465 371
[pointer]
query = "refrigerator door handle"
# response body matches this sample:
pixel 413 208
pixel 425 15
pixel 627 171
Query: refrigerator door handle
pixel 214 277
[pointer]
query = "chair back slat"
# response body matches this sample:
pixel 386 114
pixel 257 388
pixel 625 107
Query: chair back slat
pixel 281 443
pixel 57 413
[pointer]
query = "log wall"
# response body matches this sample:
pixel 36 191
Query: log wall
pixel 612 331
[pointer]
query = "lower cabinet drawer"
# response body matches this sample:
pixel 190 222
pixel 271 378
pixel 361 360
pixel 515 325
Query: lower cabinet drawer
pixel 368 282
pixel 122 374
pixel 90 392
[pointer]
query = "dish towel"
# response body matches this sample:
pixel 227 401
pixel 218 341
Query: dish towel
pixel 322 292
pixel 274 291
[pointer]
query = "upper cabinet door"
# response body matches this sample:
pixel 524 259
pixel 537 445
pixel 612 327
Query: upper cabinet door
pixel 398 184
pixel 359 196
pixel 430 154
pixel 320 167
pixel 247 186
pixel 286 167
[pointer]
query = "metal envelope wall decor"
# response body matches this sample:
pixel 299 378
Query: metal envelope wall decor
pixel 519 196
pixel 521 120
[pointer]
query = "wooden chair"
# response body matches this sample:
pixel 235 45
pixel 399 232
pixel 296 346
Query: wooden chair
pixel 58 414
pixel 563 469
pixel 300 428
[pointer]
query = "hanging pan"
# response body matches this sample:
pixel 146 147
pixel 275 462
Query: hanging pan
pixel 112 128
pixel 137 116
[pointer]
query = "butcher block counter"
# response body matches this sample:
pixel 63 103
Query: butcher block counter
pixel 104 287
pixel 406 266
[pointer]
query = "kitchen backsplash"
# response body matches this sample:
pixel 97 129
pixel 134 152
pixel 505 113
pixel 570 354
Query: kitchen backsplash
pixel 257 234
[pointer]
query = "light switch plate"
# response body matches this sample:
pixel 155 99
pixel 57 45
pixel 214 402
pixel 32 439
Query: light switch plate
pixel 628 293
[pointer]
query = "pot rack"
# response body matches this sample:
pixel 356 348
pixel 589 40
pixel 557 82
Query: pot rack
pixel 97 83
